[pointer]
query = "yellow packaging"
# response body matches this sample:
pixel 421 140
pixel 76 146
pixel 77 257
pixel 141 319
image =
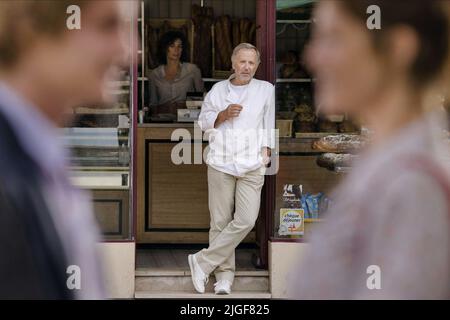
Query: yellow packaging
pixel 292 222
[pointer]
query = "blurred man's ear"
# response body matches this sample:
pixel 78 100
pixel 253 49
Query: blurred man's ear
pixel 47 18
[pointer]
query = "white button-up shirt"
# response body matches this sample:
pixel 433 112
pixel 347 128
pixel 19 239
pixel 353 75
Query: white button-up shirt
pixel 235 145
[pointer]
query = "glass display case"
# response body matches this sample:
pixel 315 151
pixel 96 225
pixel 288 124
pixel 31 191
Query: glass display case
pixel 301 188
pixel 100 139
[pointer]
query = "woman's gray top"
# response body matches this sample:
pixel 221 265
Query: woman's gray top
pixel 188 79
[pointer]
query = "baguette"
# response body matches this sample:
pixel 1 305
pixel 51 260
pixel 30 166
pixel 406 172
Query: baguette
pixel 252 33
pixel 152 45
pixel 203 19
pixel 236 33
pixel 196 11
pixel 344 143
pixel 332 160
pixel 246 31
pixel 219 46
pixel 228 50
pixel 241 30
pixel 223 44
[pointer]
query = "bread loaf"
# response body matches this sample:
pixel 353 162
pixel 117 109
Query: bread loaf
pixel 228 46
pixel 236 33
pixel 203 19
pixel 252 33
pixel 343 143
pixel 219 45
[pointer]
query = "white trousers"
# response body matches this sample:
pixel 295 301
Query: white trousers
pixel 234 206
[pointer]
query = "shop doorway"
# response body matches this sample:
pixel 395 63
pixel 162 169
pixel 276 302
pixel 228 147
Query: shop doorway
pixel 172 215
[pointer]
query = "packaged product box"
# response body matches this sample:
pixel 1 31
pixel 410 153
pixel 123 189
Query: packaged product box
pixel 292 222
pixel 292 193
pixel 291 214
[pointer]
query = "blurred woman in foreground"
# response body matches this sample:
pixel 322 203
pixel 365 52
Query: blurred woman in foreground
pixel 387 235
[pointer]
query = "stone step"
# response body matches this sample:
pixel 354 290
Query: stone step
pixel 195 295
pixel 179 281
pixel 141 272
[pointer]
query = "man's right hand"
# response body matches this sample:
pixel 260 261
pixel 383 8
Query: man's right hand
pixel 232 111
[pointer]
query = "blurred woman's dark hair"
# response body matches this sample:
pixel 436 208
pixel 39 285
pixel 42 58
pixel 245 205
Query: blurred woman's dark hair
pixel 427 18
pixel 167 40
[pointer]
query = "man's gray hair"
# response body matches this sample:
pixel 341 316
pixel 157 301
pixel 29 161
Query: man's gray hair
pixel 246 46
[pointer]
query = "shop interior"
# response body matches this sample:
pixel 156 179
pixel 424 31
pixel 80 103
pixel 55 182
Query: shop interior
pixel 122 153
pixel 166 227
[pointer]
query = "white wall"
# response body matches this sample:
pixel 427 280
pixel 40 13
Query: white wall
pixel 281 258
pixel 119 267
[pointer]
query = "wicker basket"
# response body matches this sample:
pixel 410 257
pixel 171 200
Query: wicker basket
pixel 285 128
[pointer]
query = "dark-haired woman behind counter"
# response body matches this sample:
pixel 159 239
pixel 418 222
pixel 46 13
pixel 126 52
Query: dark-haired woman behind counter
pixel 174 78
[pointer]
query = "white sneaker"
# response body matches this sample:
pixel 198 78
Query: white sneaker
pixel 222 287
pixel 199 278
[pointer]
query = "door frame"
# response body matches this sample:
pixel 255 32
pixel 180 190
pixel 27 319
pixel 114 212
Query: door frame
pixel 266 39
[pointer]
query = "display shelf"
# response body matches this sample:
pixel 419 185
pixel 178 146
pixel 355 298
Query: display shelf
pixel 117 92
pixel 204 79
pixel 98 168
pixel 101 111
pixel 318 135
pixel 295 21
pixel 280 239
pixel 119 83
pixel 289 80
pixel 213 79
pixel 101 179
pixel 310 220
pixel 297 146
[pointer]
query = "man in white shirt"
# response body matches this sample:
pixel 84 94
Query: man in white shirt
pixel 239 116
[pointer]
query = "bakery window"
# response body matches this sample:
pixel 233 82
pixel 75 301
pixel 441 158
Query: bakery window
pixel 314 151
pixel 100 140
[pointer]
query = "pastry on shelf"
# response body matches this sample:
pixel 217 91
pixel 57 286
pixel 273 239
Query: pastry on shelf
pixel 332 161
pixel 305 112
pixel 305 126
pixel 305 120
pixel 348 126
pixel 341 143
pixel 327 126
pixel 292 67
pixel 304 108
pixel 306 117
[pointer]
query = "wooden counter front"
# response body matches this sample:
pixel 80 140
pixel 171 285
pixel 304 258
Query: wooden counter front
pixel 172 199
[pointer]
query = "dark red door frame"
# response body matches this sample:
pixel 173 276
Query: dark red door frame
pixel 266 36
pixel 266 22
